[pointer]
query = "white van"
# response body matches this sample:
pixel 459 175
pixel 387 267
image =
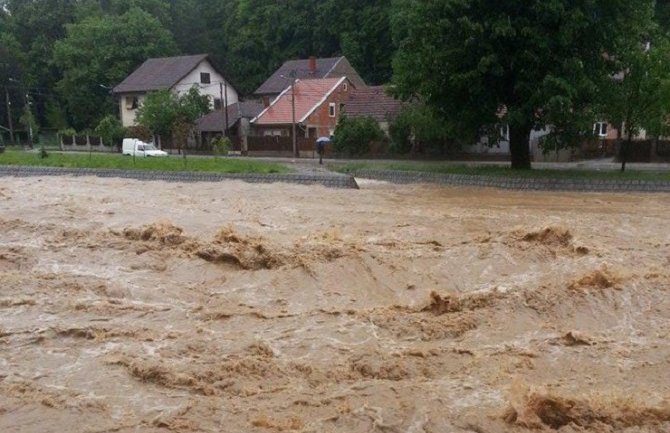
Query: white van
pixel 133 146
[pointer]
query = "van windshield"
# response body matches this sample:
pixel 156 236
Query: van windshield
pixel 149 147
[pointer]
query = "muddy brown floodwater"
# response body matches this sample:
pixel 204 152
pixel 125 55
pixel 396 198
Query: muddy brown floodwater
pixel 228 307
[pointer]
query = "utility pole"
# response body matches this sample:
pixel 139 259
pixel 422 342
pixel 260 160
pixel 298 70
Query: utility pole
pixel 30 120
pixel 223 112
pixel 293 132
pixel 224 102
pixel 9 117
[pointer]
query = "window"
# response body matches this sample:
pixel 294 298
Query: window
pixel 342 108
pixel 217 104
pixel 132 103
pixel 205 78
pixel 345 87
pixel 331 109
pixel 600 129
pixel 504 133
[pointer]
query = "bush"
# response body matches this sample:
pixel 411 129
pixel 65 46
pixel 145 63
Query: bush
pixel 140 132
pixel 221 146
pixel 110 130
pixel 353 136
pixel 418 129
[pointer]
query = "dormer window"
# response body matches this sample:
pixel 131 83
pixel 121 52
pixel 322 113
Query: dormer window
pixel 205 78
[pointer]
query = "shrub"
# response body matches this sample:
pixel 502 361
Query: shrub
pixel 353 136
pixel 221 146
pixel 140 132
pixel 418 129
pixel 110 130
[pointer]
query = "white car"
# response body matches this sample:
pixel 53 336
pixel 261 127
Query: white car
pixel 135 147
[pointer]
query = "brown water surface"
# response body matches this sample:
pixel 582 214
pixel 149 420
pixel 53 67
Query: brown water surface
pixel 229 307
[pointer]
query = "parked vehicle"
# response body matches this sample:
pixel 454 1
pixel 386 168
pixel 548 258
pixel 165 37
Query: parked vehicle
pixel 133 146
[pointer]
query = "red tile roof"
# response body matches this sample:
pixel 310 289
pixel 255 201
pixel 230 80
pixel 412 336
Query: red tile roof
pixel 309 95
pixel 373 102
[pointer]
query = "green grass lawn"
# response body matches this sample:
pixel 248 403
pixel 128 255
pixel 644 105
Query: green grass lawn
pixel 492 170
pixel 117 161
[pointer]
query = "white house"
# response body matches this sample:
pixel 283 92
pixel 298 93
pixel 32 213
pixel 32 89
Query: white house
pixel 178 74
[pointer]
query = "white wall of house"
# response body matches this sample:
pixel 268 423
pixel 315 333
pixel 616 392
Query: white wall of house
pixel 213 90
pixel 127 112
pixel 502 146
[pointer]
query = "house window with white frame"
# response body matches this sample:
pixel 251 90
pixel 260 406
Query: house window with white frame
pixel 345 87
pixel 205 78
pixel 600 129
pixel 331 109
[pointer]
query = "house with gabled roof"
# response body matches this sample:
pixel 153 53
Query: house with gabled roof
pixel 177 74
pixel 318 104
pixel 235 121
pixel 374 102
pixel 307 69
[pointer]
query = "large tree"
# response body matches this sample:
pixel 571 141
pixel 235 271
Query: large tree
pixel 526 63
pixel 100 52
pixel 638 97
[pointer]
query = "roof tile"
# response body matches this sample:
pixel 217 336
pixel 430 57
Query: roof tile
pixel 308 94
pixel 159 73
pixel 373 102
pixel 296 69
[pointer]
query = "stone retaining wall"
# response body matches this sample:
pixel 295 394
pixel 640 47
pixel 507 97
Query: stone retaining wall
pixel 537 184
pixel 331 181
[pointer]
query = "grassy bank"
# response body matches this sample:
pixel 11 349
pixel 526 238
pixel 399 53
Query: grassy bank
pixel 491 170
pixel 117 161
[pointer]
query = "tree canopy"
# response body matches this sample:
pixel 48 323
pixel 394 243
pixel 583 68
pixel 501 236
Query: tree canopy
pixel 92 63
pixel 525 63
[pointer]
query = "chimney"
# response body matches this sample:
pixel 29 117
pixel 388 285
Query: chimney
pixel 312 65
pixel 266 101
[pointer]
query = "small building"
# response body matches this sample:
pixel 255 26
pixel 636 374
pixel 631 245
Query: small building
pixel 318 104
pixel 374 102
pixel 238 118
pixel 307 69
pixel 178 74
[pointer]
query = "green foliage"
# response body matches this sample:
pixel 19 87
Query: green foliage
pixel 67 132
pixel 102 51
pixel 418 129
pixel 158 112
pixel 221 146
pixel 524 63
pixel 168 114
pixel 354 136
pixel 111 130
pixel 28 121
pixel 140 132
pixel 117 161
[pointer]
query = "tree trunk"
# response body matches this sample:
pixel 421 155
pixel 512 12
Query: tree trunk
pixel 519 137
pixel 625 148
